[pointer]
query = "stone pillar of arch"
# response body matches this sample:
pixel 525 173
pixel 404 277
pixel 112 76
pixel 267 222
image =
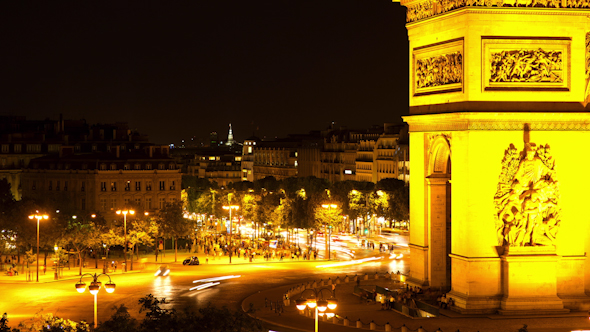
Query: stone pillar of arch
pixel 490 78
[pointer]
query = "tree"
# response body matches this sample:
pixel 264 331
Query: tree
pixel 171 222
pixel 82 234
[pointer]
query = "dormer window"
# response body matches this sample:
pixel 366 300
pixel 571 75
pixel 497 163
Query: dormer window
pixel 137 166
pixel 103 167
pixel 127 167
pixel 113 167
pixel 171 166
pixel 148 166
pixel 160 166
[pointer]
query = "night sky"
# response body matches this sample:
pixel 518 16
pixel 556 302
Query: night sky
pixel 177 69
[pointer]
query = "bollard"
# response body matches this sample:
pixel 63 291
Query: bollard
pixel 346 279
pixel 366 277
pixel 376 275
pixel 324 317
pixel 345 322
pixel 404 328
pixel 329 281
pixel 338 280
pixel 387 275
pixel 438 330
pixel 387 327
pixel 359 324
pixel 334 320
pixel 355 278
pixel 321 282
pixel 420 329
pixel 372 325
pixel 314 285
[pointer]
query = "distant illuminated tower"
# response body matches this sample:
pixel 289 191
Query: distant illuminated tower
pixel 230 137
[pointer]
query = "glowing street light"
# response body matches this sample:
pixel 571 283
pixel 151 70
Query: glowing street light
pixel 94 287
pixel 38 216
pixel 317 302
pixel 125 212
pixel 230 208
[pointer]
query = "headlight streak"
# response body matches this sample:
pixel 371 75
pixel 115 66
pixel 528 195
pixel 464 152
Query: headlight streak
pixel 215 279
pixel 356 261
pixel 203 286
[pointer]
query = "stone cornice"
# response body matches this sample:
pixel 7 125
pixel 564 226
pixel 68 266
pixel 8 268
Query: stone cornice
pixel 425 10
pixel 499 121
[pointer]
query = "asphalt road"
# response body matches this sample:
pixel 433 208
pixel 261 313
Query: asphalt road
pixel 22 301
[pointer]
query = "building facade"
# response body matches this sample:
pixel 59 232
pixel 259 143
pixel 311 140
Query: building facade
pixel 107 181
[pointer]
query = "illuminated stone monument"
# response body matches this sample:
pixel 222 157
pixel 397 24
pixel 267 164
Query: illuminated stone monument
pixel 498 128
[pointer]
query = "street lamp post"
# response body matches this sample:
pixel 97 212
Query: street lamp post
pixel 329 207
pixel 93 288
pixel 38 216
pixel 124 212
pixel 230 207
pixel 317 302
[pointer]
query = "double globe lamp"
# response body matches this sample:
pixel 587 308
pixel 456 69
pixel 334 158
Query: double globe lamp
pixel 94 287
pixel 319 305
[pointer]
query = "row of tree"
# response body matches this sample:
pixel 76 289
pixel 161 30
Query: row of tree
pixel 290 203
pixel 299 202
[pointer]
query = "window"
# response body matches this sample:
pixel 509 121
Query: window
pixel 113 203
pixel 148 203
pixel 103 204
pixel 5 148
pixel 103 167
pixel 148 185
pixel 83 203
pixel 171 166
pixel 128 186
pixel 83 187
pixel 137 185
pixel 160 166
pixel 138 202
pixel 33 148
pixel 34 186
pixel 103 186
pixel 65 185
pixel 172 200
pixel 127 167
pixel 126 201
pixel 148 166
pixel 162 202
pixel 162 185
pixel 137 166
pixel 50 187
pixel 113 167
pixel 17 148
pixel 173 185
pixel 113 186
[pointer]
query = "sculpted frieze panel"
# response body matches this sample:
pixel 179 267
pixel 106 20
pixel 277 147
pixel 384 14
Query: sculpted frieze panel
pixel 438 67
pixel 526 66
pixel 526 63
pixel 527 201
pixel 439 70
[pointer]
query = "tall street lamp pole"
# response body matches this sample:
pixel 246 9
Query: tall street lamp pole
pixel 93 288
pixel 124 212
pixel 230 207
pixel 38 216
pixel 329 207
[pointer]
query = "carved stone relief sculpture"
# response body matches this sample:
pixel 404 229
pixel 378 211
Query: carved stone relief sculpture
pixel 527 200
pixel 439 70
pixel 587 75
pixel 531 66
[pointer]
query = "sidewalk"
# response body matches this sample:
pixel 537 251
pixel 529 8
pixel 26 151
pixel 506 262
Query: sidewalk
pixel 145 262
pixel 350 307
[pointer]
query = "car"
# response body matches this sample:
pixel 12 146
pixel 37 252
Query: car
pixel 193 260
pixel 163 271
